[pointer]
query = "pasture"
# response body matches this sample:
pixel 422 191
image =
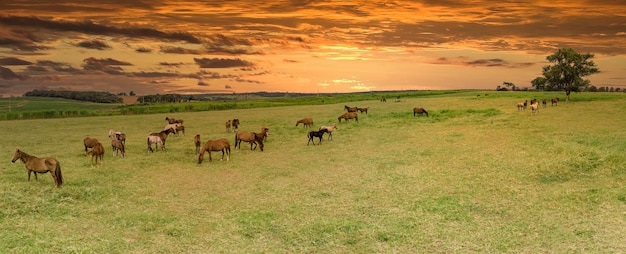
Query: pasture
pixel 474 176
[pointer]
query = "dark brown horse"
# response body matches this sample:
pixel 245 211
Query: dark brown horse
pixel 235 124
pixel 555 101
pixel 227 126
pixel 361 110
pixel 97 152
pixel 198 142
pixel 319 134
pixel 221 144
pixel 252 138
pixel 419 111
pixel 350 109
pixel 349 115
pixel 307 122
pixel 90 142
pixel 40 165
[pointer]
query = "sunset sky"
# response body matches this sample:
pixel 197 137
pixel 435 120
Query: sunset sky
pixel 329 46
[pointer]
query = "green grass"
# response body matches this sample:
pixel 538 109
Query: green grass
pixel 475 176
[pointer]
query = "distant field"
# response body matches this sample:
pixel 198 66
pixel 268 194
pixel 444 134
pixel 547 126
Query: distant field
pixel 475 176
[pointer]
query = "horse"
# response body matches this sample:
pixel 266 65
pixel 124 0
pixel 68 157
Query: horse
pixel 198 142
pixel 383 99
pixel 163 135
pixel 171 120
pixel 221 144
pixel 329 129
pixel 350 109
pixel 235 124
pixel 156 140
pixel 313 134
pixel 117 135
pixel 118 147
pixel 90 142
pixel 420 111
pixel 97 152
pixel 544 102
pixel 534 107
pixel 520 106
pixel 306 122
pixel 361 110
pixel 171 126
pixel 40 165
pixel 227 126
pixel 349 115
pixel 180 128
pixel 555 102
pixel 251 137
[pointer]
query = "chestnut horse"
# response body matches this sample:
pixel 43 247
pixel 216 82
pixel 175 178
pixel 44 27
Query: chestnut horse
pixel 40 165
pixel 307 122
pixel 349 115
pixel 97 152
pixel 198 142
pixel 227 126
pixel 90 142
pixel 419 111
pixel 221 144
pixel 361 110
pixel 251 137
pixel 555 101
pixel 118 147
pixel 350 109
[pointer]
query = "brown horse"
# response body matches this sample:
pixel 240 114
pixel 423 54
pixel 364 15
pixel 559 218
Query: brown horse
pixel 361 110
pixel 97 152
pixel 90 142
pixel 171 120
pixel 156 140
pixel 520 106
pixel 221 144
pixel 349 115
pixel 163 135
pixel 251 137
pixel 198 142
pixel 117 135
pixel 350 109
pixel 307 122
pixel 40 165
pixel 235 124
pixel 555 101
pixel 227 126
pixel 118 147
pixel 419 111
pixel 544 103
pixel 180 128
pixel 330 130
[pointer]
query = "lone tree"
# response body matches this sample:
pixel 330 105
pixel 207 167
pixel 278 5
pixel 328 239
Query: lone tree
pixel 567 72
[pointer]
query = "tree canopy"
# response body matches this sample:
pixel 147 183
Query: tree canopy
pixel 566 72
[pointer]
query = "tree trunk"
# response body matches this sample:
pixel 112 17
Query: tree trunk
pixel 567 92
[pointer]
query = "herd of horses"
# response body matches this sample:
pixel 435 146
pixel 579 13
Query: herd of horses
pixel 95 150
pixel 534 105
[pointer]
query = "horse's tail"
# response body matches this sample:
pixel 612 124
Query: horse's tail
pixel 236 139
pixel 58 179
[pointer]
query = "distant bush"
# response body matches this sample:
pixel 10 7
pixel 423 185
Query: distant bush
pixel 92 96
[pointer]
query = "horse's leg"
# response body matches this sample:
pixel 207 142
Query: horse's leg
pixel 210 159
pixel 222 154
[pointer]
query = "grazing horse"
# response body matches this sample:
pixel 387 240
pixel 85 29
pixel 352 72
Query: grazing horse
pixel 534 107
pixel 520 106
pixel 306 122
pixel 361 110
pixel 313 134
pixel 235 124
pixel 350 109
pixel 40 165
pixel 544 102
pixel 163 135
pixel 97 152
pixel 156 140
pixel 419 111
pixel 555 101
pixel 227 126
pixel 90 142
pixel 251 137
pixel 118 147
pixel 349 115
pixel 330 130
pixel 171 120
pixel 198 142
pixel 221 144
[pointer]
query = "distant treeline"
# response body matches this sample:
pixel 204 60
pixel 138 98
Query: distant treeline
pixel 92 96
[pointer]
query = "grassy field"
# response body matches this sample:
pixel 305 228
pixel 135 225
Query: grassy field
pixel 475 176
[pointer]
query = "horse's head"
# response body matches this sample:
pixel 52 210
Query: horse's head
pixel 16 155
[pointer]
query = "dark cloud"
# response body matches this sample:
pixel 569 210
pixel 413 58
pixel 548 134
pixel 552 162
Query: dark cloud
pixel 143 50
pixel 170 64
pixel 95 44
pixel 13 61
pixel 60 67
pixel 179 50
pixel 494 62
pixel 290 61
pixel 8 74
pixel 222 63
pixel 202 83
pixel 107 65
